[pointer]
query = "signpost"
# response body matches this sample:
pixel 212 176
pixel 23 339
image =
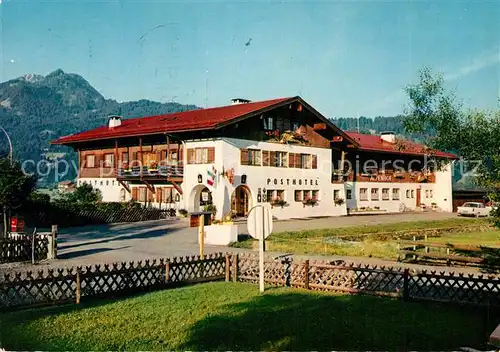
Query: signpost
pixel 260 226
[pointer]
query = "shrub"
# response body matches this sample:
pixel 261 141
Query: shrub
pixel 183 212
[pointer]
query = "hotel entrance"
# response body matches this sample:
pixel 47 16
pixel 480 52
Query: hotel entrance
pixel 240 201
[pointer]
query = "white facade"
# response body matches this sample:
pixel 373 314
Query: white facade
pixel 402 196
pixel 288 180
pixel 110 189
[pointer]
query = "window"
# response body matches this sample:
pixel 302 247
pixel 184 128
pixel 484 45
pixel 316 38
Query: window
pixel 268 123
pixel 408 193
pixel 166 195
pixel 431 193
pixel 124 158
pixel 254 157
pixel 108 160
pixel 298 196
pixel 374 194
pixel 306 195
pixel 315 195
pixel 349 194
pixel 90 160
pixel 201 155
pixel 280 194
pixel 363 194
pixel 305 161
pixel 107 182
pixel 280 159
pixel 269 195
pixel 395 194
pixel 385 193
pixel 142 194
pixel 412 193
pixel 336 194
pixel 100 183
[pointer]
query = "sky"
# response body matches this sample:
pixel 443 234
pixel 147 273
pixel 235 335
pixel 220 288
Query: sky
pixel 346 58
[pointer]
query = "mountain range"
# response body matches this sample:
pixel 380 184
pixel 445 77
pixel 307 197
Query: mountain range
pixel 36 109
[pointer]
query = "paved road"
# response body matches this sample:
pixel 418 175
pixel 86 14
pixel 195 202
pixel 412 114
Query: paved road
pixel 169 238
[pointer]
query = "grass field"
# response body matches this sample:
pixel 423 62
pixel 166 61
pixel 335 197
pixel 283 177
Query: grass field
pixel 233 316
pixel 329 241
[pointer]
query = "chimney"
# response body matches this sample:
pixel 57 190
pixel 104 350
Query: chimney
pixel 236 101
pixel 114 121
pixel 388 137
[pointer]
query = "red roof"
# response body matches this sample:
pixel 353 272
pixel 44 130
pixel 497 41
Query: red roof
pixel 371 142
pixel 200 119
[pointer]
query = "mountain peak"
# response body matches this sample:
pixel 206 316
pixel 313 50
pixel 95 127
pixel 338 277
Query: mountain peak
pixel 32 77
pixel 56 73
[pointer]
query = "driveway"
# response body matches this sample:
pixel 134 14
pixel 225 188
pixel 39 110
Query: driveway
pixel 173 238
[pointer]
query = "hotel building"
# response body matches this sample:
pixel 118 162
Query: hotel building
pixel 281 151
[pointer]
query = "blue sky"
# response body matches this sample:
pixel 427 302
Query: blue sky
pixel 345 58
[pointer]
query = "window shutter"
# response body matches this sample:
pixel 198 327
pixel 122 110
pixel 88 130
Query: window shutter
pixel 134 194
pixel 211 155
pixel 150 195
pixel 314 161
pixel 190 156
pixel 244 156
pixel 159 195
pixel 265 158
pixel 298 161
pixel 134 157
pixel 291 160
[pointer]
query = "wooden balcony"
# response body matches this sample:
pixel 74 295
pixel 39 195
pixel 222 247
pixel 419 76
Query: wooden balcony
pixel 393 176
pixel 145 172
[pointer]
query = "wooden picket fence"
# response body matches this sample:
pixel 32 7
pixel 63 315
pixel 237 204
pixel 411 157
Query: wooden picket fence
pixel 83 283
pixel 126 215
pixel 19 248
pixel 365 279
pixel 56 286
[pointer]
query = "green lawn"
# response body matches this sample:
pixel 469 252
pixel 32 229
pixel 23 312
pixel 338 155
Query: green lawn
pixel 233 316
pixel 368 240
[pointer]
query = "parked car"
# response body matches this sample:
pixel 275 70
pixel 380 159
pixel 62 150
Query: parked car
pixel 474 209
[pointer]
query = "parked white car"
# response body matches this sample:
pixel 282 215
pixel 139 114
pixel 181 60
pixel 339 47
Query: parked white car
pixel 474 209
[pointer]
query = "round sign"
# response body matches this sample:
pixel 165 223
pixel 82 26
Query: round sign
pixel 260 219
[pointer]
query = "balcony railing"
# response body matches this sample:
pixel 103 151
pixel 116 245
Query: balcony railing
pixel 145 171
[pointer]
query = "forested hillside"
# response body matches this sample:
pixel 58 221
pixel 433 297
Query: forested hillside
pixel 35 109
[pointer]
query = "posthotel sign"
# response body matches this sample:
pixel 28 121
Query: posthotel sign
pixel 292 182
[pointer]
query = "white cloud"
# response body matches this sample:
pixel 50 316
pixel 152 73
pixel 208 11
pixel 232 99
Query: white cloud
pixel 479 63
pixel 11 60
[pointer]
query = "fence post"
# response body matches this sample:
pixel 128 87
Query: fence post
pixel 228 267
pixel 54 242
pixel 78 285
pixel 235 267
pixel 406 284
pixel 306 277
pixel 167 272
